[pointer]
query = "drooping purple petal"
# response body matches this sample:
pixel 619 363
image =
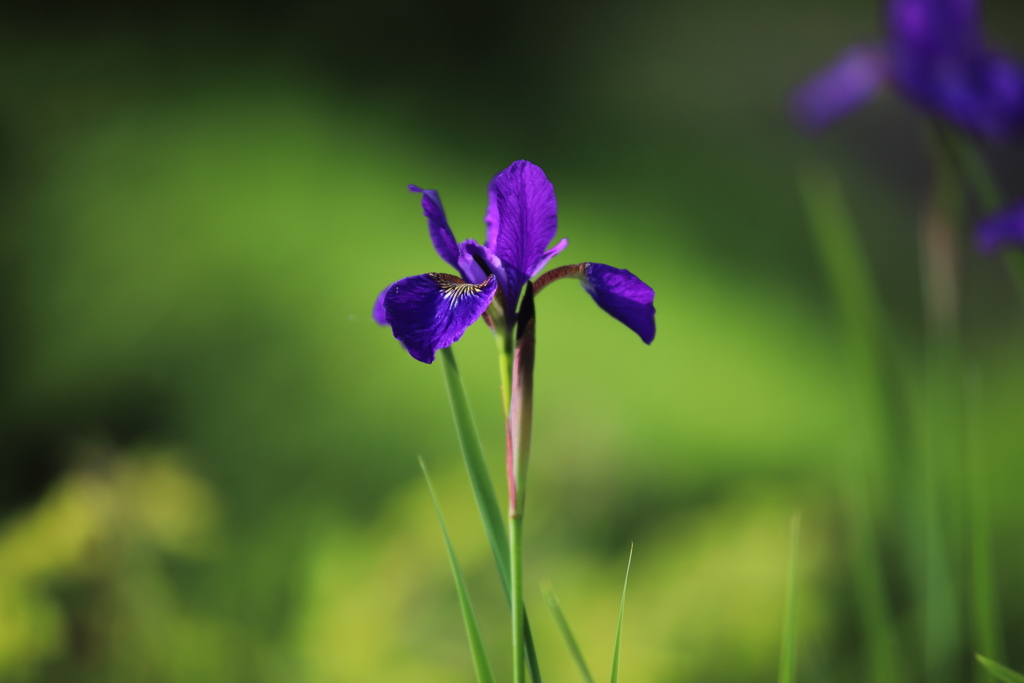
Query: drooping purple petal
pixel 1005 229
pixel 522 218
pixel 623 296
pixel 379 315
pixel 440 234
pixel 429 312
pixel 855 77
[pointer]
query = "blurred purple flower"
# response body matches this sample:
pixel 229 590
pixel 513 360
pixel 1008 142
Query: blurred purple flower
pixel 429 312
pixel 935 56
pixel 1005 228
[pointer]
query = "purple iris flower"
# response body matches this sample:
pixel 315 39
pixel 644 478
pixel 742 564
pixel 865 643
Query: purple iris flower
pixel 430 312
pixel 1005 228
pixel 935 56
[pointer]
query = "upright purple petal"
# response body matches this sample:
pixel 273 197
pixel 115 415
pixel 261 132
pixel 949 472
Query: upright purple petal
pixel 1005 229
pixel 440 234
pixel 430 312
pixel 935 25
pixel 522 218
pixel 623 296
pixel 854 78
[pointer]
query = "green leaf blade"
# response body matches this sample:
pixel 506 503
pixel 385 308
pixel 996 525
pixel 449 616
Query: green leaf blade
pixel 1002 673
pixel 618 629
pixel 563 627
pixel 483 491
pixel 787 658
pixel 481 664
pixel 476 466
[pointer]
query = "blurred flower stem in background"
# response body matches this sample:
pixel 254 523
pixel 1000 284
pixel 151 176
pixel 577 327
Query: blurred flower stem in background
pixel 934 54
pixel 868 474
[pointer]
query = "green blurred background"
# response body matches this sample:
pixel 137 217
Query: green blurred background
pixel 209 450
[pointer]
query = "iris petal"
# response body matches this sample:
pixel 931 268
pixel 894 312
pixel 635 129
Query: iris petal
pixel 477 262
pixel 850 81
pixel 429 312
pixel 1001 230
pixel 940 62
pixel 379 315
pixel 440 234
pixel 548 255
pixel 522 218
pixel 981 92
pixel 623 296
pixel 935 25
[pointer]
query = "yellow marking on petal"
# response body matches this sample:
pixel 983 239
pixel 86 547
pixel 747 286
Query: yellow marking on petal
pixel 454 288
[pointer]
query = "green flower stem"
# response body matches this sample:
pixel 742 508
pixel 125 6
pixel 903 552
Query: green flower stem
pixel 520 429
pixel 979 180
pixel 483 489
pixel 515 535
pixel 504 341
pixel 987 625
pixel 944 491
pixel 943 498
pixel 971 166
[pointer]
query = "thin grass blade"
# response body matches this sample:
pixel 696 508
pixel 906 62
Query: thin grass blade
pixel 483 490
pixel 618 630
pixel 1002 673
pixel 987 624
pixel 563 627
pixel 482 665
pixel 787 658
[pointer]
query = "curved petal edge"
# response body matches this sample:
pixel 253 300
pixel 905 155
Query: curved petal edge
pixel 437 222
pixel 522 219
pixel 379 315
pixel 430 312
pixel 623 296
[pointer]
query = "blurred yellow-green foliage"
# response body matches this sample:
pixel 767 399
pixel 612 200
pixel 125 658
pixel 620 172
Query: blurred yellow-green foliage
pixel 209 450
